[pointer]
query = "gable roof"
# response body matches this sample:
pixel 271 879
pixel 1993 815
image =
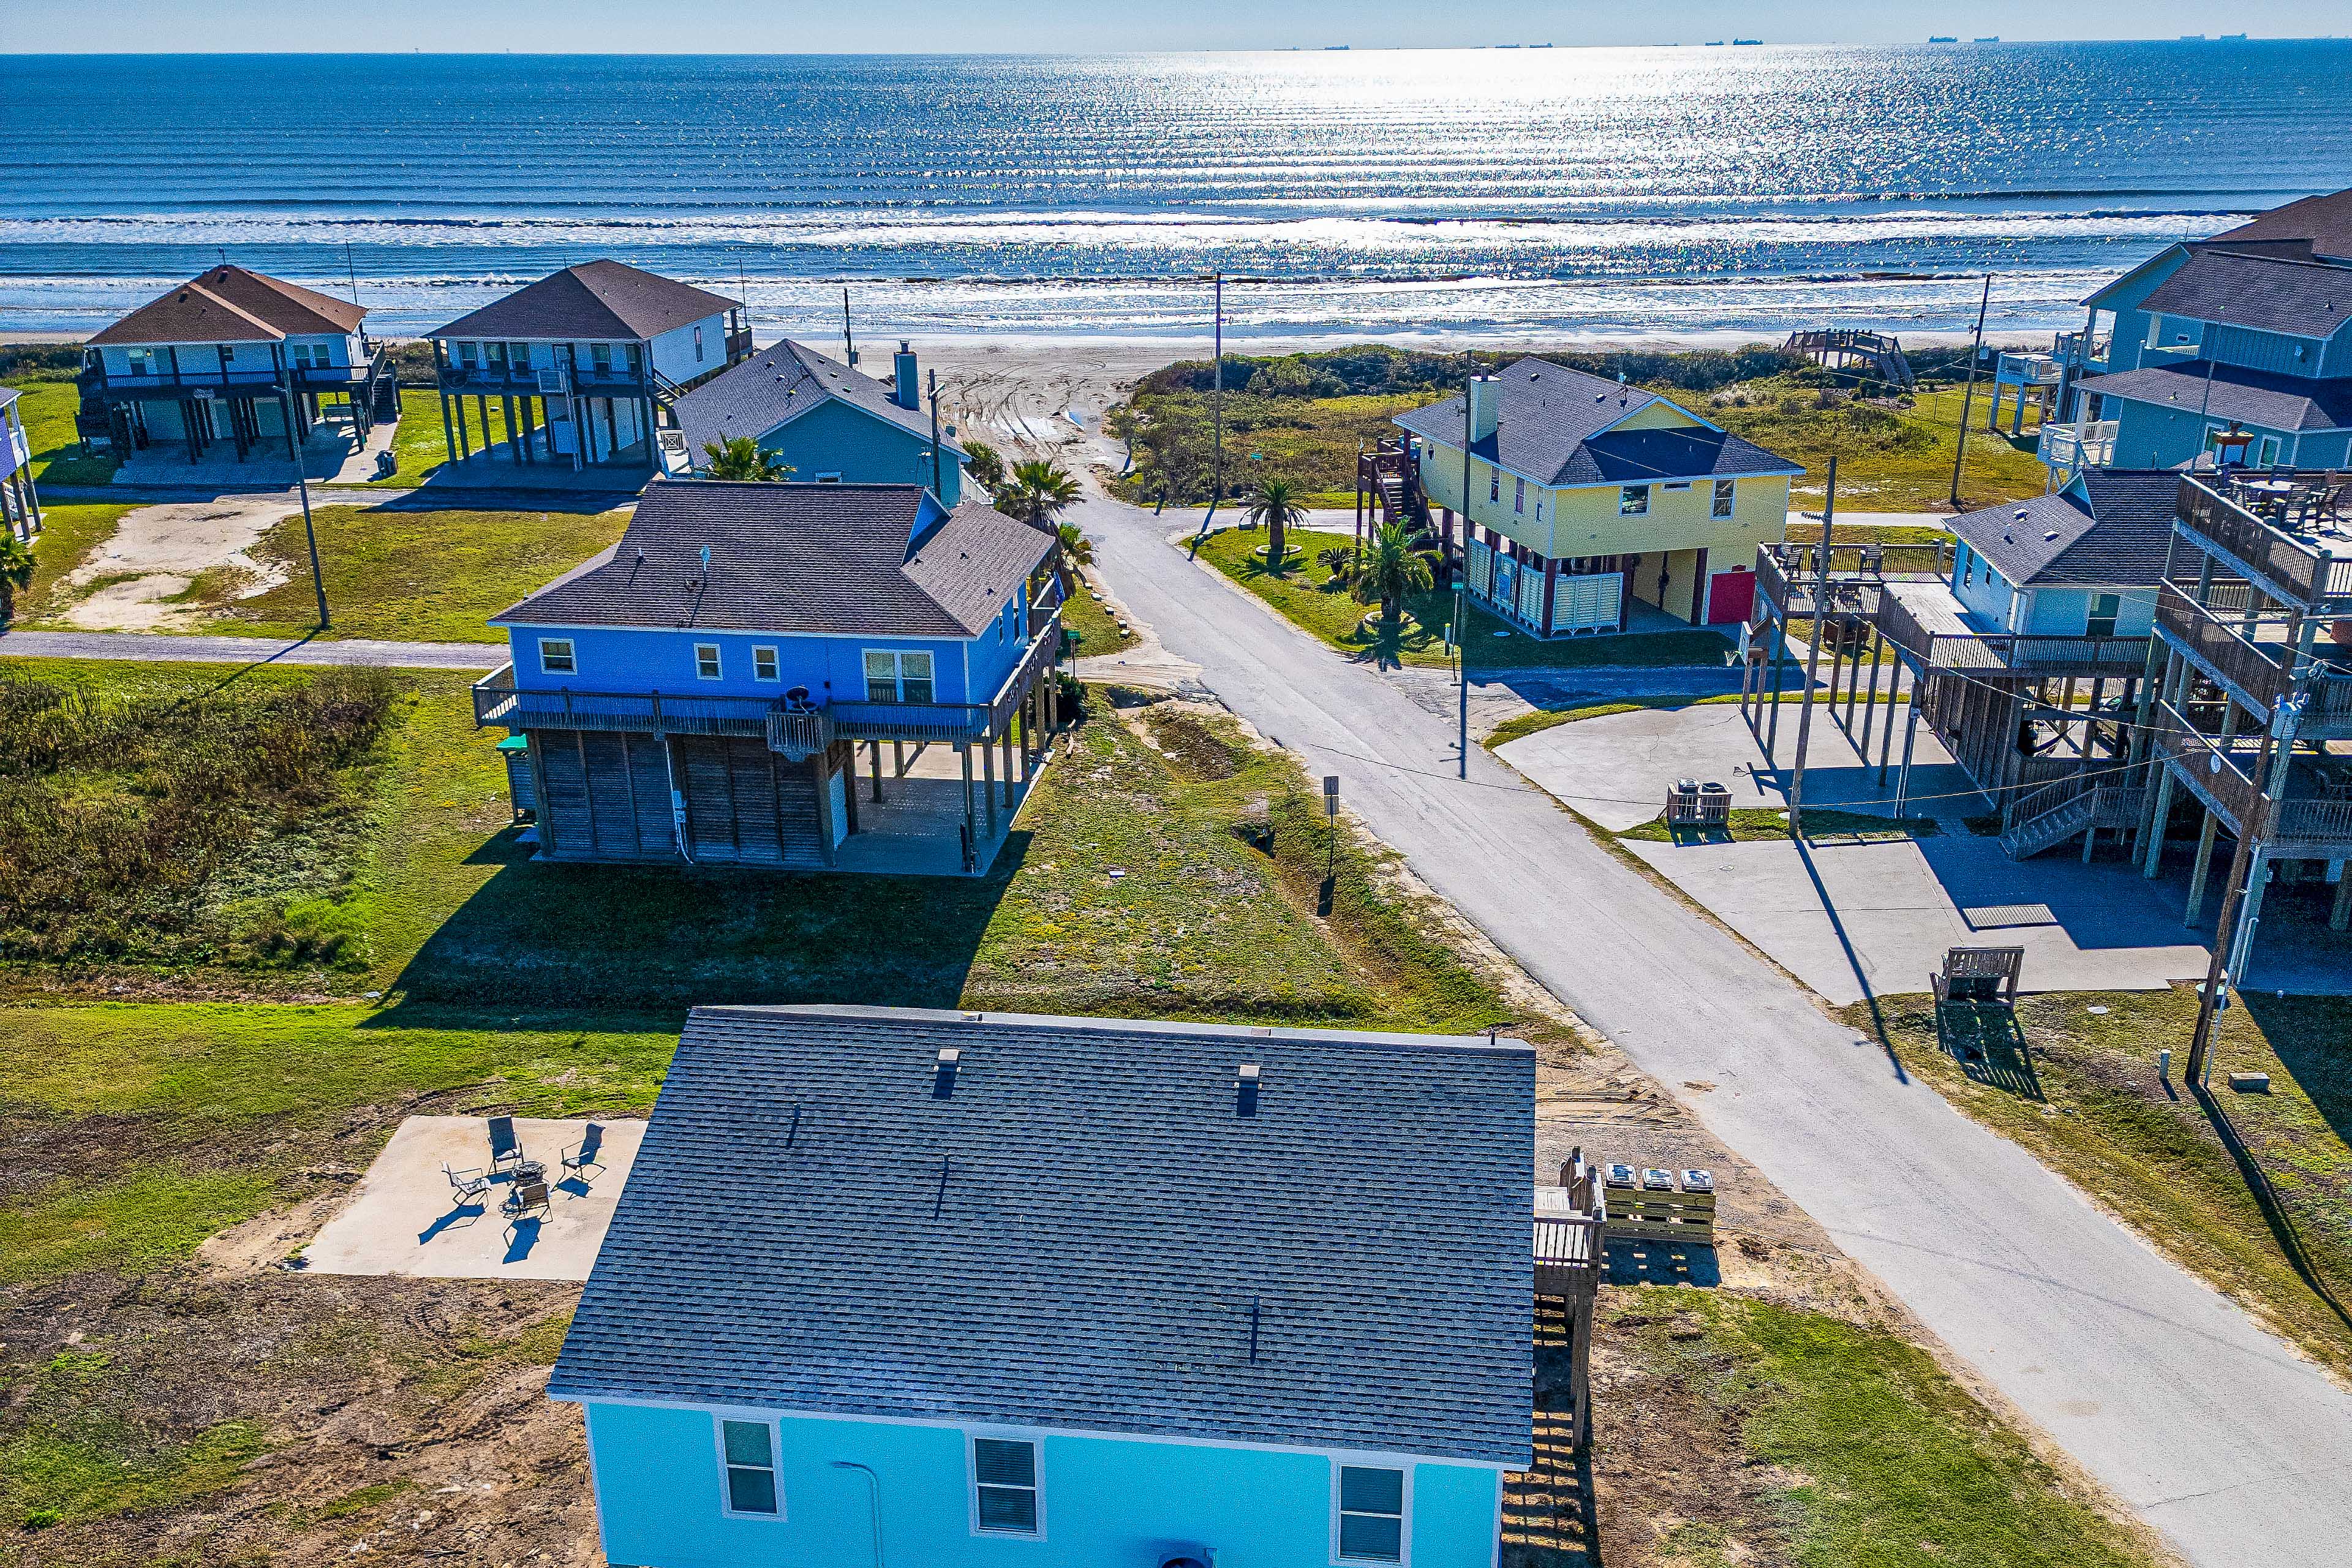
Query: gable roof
pixel 1554 427
pixel 2113 534
pixel 855 560
pixel 2247 396
pixel 594 300
pixel 2267 293
pixel 229 304
pixel 1074 1237
pixel 2314 227
pixel 780 383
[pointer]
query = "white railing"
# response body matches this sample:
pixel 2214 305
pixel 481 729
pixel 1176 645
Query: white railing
pixel 2085 444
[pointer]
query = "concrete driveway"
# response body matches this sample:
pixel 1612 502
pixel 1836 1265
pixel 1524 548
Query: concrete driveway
pixel 405 1218
pixel 2214 1431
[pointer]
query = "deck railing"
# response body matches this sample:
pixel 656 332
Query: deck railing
pixel 2217 648
pixel 2213 771
pixel 2284 567
pixel 2011 653
pixel 2084 444
pixel 2327 823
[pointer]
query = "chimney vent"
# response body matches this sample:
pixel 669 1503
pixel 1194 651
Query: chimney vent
pixel 1246 1086
pixel 943 1074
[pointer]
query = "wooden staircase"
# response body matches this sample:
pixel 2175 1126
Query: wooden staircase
pixel 2047 817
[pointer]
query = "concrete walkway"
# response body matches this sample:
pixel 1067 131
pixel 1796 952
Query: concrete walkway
pixel 2167 1393
pixel 161 647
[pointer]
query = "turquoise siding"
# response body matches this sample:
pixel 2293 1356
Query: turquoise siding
pixel 837 438
pixel 1991 603
pixel 1103 1502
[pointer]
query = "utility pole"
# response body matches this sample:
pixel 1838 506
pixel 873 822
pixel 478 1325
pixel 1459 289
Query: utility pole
pixel 302 483
pixel 1217 393
pixel 1461 615
pixel 353 269
pixel 938 481
pixel 1968 399
pixel 848 344
pixel 1812 657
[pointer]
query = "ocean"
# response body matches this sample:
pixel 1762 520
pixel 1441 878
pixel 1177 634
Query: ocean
pixel 1697 192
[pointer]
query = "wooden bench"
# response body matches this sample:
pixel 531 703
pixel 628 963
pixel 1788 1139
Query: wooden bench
pixel 1980 975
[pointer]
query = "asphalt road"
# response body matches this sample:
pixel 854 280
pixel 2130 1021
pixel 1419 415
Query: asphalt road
pixel 2217 1432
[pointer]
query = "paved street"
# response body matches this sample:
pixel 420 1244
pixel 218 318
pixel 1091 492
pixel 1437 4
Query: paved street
pixel 250 650
pixel 2216 1432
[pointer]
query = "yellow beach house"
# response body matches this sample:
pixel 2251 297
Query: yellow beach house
pixel 1586 497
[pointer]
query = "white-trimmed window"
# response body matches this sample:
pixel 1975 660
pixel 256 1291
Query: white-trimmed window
pixel 1004 1490
pixel 697 345
pixel 706 662
pixel 600 356
pixel 142 361
pixel 1724 493
pixel 519 355
pixel 1519 494
pixel 468 354
pixel 555 656
pixel 763 663
pixel 748 1487
pixel 893 677
pixel 2105 608
pixel 1369 1509
pixel 1633 500
pixel 1494 482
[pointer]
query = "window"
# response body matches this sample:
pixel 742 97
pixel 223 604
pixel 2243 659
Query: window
pixel 497 354
pixel 600 356
pixel 142 362
pixel 1004 1486
pixel 1967 565
pixel 897 677
pixel 1494 482
pixel 1518 495
pixel 832 478
pixel 519 355
pixel 555 656
pixel 746 1453
pixel 2270 453
pixel 301 355
pixel 1724 491
pixel 706 662
pixel 466 354
pixel 1633 500
pixel 697 345
pixel 1371 1515
pixel 763 663
pixel 2105 608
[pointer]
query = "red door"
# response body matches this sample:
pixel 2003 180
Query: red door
pixel 1730 595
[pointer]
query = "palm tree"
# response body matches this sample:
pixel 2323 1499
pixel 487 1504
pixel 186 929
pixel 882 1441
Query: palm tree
pixel 985 463
pixel 1123 425
pixel 16 572
pixel 1390 572
pixel 1275 504
pixel 1037 492
pixel 1072 549
pixel 741 458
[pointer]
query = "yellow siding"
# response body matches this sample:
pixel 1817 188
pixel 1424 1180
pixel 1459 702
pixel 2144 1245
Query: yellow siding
pixel 1656 416
pixel 1588 523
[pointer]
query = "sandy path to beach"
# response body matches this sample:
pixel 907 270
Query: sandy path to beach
pixel 156 553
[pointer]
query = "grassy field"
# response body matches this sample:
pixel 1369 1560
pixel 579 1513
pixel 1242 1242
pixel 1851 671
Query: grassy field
pixel 419 445
pixel 1889 459
pixel 2253 1191
pixel 1308 596
pixel 1309 442
pixel 47 406
pixel 1841 1444
pixel 407 572
pixel 70 531
pixel 1097 633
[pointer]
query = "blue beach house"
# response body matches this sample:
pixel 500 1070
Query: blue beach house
pixel 701 692
pixel 2082 563
pixel 940 1289
pixel 832 424
pixel 2236 349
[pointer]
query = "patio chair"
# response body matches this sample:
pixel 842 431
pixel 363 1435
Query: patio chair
pixel 525 1197
pixel 467 1187
pixel 586 1154
pixel 506 1148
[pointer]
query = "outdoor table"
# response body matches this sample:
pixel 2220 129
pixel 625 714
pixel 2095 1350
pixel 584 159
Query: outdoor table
pixel 529 1171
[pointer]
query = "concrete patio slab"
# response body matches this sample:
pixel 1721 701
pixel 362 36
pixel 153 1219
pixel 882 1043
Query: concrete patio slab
pixel 401 1218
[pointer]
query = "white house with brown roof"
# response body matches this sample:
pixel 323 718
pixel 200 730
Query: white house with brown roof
pixel 233 356
pixel 585 365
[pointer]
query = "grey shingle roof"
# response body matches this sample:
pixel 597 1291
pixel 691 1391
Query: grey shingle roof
pixel 776 386
pixel 2270 294
pixel 229 304
pixel 2249 396
pixel 797 558
pixel 596 300
pixel 2112 535
pixel 2315 226
pixel 1089 1260
pixel 1550 428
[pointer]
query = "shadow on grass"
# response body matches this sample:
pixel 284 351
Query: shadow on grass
pixel 1639 1262
pixel 659 940
pixel 1989 1044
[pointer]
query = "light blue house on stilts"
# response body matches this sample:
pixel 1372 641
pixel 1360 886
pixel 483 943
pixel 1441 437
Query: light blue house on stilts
pixel 832 424
pixel 941 1290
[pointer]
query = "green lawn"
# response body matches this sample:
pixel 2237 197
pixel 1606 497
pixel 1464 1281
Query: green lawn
pixel 1888 459
pixel 1307 595
pixel 48 408
pixel 1752 824
pixel 409 573
pixel 1308 442
pixel 420 446
pixel 1857 1447
pixel 1097 633
pixel 2252 1191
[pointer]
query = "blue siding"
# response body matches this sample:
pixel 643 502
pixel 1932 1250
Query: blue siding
pixel 2066 611
pixel 837 438
pixel 1103 1500
pixel 625 659
pixel 1984 592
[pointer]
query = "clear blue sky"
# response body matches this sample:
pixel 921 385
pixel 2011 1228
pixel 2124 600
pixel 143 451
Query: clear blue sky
pixel 764 26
